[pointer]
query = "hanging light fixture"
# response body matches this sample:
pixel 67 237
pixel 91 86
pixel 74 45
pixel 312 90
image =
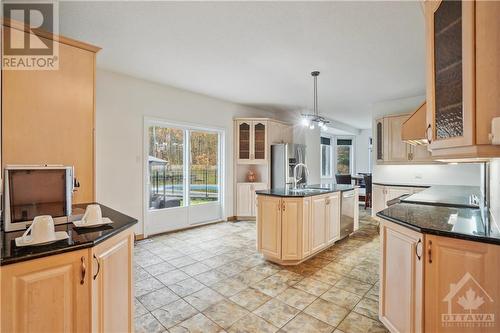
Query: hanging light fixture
pixel 312 119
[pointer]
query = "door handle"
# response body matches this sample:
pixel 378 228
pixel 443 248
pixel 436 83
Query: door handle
pixel 83 268
pixel 429 251
pixel 98 267
pixel 416 249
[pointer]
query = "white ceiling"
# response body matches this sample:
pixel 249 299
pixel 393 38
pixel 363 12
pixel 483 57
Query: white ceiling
pixel 262 53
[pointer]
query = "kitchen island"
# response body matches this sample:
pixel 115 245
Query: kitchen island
pixel 295 224
pixel 81 284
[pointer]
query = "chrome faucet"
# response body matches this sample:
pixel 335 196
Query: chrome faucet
pixel 295 180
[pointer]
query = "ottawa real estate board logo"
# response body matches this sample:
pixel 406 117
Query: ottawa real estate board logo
pixel 27 30
pixel 468 305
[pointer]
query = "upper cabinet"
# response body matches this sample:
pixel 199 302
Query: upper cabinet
pixel 255 135
pixel 462 88
pixel 251 140
pixel 48 115
pixel 391 149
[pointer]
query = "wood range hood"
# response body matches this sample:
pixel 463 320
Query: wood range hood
pixel 414 129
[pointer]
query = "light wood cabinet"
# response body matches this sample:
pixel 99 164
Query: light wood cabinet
pixel 333 218
pixel 462 81
pixel 318 218
pixel 252 141
pixel 390 147
pixel 112 281
pixel 246 201
pixel 51 294
pixel 382 193
pixel 88 290
pixel 457 271
pixel 289 230
pixel 55 124
pixel 269 226
pixel 401 278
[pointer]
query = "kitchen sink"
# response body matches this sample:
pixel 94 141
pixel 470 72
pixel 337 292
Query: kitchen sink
pixel 308 190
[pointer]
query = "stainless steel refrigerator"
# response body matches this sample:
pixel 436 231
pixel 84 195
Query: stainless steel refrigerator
pixel 284 157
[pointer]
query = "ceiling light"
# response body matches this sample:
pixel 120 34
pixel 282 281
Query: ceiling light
pixel 311 118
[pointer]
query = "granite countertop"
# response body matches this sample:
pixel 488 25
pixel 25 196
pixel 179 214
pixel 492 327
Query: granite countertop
pixel 309 191
pixel 457 222
pixel 79 238
pixel 447 195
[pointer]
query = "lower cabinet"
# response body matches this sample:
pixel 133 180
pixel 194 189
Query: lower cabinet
pixel 452 283
pixel 401 278
pixel 462 286
pixel 291 229
pixel 69 292
pixel 50 294
pixel 246 201
pixel 112 278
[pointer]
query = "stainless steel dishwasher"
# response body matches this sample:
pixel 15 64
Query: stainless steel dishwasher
pixel 347 202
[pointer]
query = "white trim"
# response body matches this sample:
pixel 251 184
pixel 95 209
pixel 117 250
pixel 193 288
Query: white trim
pixel 187 128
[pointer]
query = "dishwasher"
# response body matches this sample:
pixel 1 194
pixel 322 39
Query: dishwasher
pixel 347 203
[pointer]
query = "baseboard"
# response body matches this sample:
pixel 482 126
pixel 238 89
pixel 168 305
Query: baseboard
pixel 139 237
pixel 231 218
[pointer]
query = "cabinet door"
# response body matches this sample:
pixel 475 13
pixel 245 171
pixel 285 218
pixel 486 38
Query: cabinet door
pixel 112 291
pixel 269 226
pixel 318 223
pixel 401 278
pixel 51 294
pixel 450 73
pixel 333 218
pixel 306 229
pixel 292 227
pixel 244 201
pixel 461 278
pixel 259 152
pixel 287 134
pixel 378 199
pixel 396 192
pixel 244 140
pixel 256 187
pixel 398 149
pixel 55 124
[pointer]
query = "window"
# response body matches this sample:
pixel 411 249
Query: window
pixel 326 158
pixel 184 167
pixel 344 157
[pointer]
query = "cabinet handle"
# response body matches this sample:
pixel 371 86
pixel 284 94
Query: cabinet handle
pixel 416 249
pixel 283 206
pixel 98 267
pixel 429 127
pixel 429 251
pixel 83 270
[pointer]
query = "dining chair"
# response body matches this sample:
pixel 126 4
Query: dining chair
pixel 343 179
pixel 368 191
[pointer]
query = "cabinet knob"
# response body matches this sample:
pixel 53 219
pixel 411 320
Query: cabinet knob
pixel 429 251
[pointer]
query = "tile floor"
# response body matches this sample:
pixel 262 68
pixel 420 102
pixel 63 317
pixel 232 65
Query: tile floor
pixel 211 279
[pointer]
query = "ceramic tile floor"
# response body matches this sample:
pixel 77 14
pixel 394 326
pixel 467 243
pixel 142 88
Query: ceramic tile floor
pixel 211 279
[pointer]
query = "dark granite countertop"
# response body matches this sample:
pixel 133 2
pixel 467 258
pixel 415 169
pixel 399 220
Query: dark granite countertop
pixel 79 238
pixel 457 222
pixel 309 191
pixel 447 195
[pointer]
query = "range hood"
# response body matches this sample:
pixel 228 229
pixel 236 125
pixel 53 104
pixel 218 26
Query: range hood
pixel 414 129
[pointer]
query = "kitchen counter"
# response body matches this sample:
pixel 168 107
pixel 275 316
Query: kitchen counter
pixel 79 238
pixel 310 191
pixel 401 184
pixel 447 195
pixel 456 222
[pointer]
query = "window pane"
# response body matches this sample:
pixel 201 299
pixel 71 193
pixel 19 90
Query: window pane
pixel 166 171
pixel 343 160
pixel 326 161
pixel 204 182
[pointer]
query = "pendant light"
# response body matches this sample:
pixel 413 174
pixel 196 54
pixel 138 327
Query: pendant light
pixel 313 119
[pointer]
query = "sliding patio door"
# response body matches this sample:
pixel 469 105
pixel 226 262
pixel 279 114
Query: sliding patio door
pixel 183 176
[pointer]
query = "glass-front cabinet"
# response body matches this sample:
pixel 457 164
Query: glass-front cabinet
pixel 251 141
pixel 450 73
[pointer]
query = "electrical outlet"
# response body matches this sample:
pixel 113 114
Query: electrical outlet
pixel 418 176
